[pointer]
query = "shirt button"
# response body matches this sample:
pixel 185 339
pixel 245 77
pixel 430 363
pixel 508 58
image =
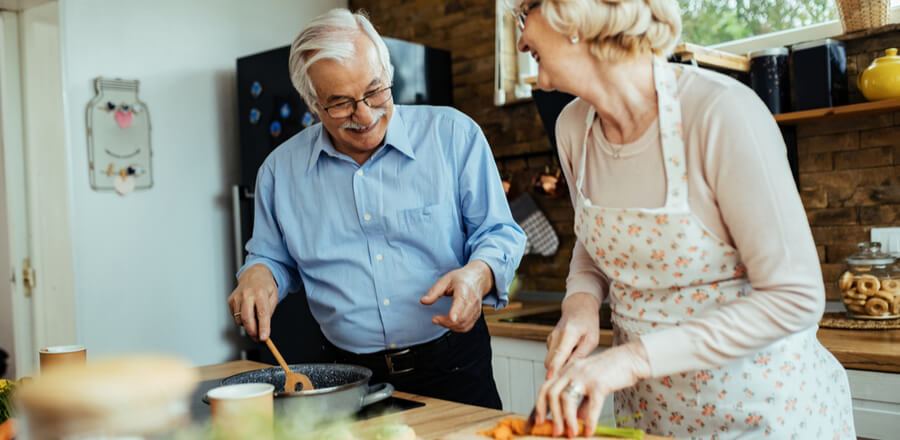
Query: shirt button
pixel 359 172
pixel 387 302
pixel 393 345
pixel 367 217
pixel 379 257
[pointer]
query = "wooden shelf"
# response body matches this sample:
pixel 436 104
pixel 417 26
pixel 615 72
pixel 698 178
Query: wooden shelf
pixel 706 57
pixel 844 111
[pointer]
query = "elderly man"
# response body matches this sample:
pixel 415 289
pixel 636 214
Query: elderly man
pixel 393 218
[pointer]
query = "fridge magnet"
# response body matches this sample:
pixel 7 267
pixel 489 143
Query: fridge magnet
pixel 118 137
pixel 254 115
pixel 285 110
pixel 255 89
pixel 275 129
pixel 307 119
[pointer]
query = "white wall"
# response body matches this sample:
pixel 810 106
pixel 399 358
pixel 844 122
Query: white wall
pixel 153 269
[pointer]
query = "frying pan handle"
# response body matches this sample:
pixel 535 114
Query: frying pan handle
pixel 377 393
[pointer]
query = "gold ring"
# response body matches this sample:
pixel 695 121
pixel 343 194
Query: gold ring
pixel 236 314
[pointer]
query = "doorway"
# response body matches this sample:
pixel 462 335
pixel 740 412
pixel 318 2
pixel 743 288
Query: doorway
pixel 16 327
pixel 35 233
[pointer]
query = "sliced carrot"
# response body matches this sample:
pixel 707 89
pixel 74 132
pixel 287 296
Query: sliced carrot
pixel 486 432
pixel 7 429
pixel 517 425
pixel 504 432
pixel 543 429
pixel 508 427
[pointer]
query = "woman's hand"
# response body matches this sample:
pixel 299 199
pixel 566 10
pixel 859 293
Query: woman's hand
pixel 583 384
pixel 576 334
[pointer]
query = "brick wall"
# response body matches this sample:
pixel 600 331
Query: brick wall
pixel 466 29
pixel 849 170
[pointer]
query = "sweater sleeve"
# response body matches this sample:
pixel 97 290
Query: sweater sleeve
pixel 745 165
pixel 584 276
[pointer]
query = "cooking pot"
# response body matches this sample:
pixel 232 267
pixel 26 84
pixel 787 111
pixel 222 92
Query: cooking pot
pixel 340 389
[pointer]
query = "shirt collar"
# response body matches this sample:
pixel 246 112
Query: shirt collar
pixel 396 136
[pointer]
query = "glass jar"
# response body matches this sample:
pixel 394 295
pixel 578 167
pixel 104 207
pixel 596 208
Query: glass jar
pixel 870 288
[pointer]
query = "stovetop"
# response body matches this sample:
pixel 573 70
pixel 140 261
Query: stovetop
pixel 391 405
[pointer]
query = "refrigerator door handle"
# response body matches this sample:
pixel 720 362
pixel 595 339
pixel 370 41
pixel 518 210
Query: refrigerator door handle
pixel 236 221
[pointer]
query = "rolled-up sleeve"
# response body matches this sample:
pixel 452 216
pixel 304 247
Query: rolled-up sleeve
pixel 492 234
pixel 267 246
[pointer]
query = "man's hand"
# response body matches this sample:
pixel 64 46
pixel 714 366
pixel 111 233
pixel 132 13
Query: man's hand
pixel 253 301
pixel 467 285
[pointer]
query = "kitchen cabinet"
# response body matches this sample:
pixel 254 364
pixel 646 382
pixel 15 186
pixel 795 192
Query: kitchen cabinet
pixel 519 372
pixel 876 403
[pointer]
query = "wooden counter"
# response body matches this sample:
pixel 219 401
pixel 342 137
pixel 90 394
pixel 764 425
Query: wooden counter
pixel 872 350
pixel 438 419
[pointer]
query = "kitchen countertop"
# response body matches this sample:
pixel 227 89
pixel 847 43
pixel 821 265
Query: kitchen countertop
pixel 873 350
pixel 438 419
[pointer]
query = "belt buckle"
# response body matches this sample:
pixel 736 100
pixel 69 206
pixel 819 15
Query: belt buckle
pixel 390 363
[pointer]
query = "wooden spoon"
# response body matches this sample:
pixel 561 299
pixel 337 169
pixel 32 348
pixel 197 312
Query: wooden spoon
pixel 291 379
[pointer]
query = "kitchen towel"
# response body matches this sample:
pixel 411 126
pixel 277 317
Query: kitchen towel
pixel 541 238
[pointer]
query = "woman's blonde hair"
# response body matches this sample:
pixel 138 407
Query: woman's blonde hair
pixel 617 28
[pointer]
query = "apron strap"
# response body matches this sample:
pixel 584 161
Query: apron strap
pixel 669 109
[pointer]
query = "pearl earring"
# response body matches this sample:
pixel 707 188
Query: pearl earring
pixel 573 39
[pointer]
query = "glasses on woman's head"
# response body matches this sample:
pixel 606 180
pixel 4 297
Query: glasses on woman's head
pixel 521 12
pixel 347 107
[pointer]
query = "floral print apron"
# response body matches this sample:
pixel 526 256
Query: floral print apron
pixel 664 266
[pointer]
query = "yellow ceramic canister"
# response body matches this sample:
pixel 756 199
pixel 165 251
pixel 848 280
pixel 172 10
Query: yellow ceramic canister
pixel 881 80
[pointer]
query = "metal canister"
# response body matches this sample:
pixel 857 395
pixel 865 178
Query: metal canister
pixel 820 74
pixel 769 78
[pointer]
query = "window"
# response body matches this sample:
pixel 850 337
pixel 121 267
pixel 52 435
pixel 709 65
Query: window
pixel 708 22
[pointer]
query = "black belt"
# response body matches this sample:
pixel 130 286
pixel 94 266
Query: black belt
pixel 399 361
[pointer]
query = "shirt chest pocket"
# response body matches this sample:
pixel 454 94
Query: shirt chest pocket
pixel 423 235
pixel 422 217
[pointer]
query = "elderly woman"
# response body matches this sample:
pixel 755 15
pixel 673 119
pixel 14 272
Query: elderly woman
pixel 689 223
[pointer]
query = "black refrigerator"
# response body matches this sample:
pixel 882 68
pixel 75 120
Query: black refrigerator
pixel 270 111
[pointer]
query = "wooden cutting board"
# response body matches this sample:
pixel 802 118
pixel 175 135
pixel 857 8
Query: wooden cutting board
pixel 471 433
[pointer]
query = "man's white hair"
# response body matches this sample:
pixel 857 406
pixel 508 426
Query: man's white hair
pixel 331 36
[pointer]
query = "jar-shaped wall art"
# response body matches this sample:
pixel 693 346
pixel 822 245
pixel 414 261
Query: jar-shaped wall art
pixel 118 135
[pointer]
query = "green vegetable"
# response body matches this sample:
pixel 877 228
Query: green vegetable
pixel 631 433
pixel 6 406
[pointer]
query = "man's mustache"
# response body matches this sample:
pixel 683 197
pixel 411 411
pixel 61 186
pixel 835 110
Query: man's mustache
pixel 377 114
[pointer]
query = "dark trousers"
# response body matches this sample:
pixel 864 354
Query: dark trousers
pixel 455 367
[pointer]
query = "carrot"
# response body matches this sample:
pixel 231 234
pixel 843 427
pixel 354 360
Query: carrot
pixel 517 425
pixel 8 429
pixel 507 428
pixel 546 429
pixel 504 432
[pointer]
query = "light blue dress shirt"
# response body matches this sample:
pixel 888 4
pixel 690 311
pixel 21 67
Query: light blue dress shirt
pixel 367 242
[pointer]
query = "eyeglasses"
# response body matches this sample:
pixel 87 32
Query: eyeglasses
pixel 521 12
pixel 347 107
